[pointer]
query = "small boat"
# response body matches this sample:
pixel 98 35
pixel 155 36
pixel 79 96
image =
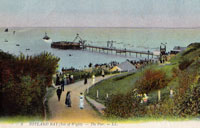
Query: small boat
pixel 28 49
pixel 17 45
pixel 5 40
pixel 6 30
pixel 46 37
pixel 70 54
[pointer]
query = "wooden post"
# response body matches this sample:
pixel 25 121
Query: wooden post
pixel 159 96
pixel 107 95
pixel 171 93
pixel 136 54
pixel 97 94
pixel 99 49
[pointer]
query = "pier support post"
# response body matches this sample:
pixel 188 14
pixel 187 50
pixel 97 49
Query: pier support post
pixel 136 55
pixel 140 55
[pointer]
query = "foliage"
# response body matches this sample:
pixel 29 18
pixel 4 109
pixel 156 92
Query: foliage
pixel 152 80
pixel 185 63
pixel 185 80
pixel 123 105
pixel 23 82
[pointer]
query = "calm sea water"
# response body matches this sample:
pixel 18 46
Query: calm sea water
pixel 129 38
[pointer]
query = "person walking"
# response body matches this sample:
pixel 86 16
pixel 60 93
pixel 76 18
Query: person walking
pixel 59 92
pixel 68 99
pixel 57 80
pixel 85 80
pixel 81 101
pixel 62 85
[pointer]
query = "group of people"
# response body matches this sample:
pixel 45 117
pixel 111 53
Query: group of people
pixel 62 79
pixel 68 98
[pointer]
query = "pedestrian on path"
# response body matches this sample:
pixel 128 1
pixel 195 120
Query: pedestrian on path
pixel 85 80
pixel 57 80
pixel 68 99
pixel 59 92
pixel 81 101
pixel 62 85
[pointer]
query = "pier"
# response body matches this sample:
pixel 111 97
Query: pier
pixel 80 45
pixel 118 51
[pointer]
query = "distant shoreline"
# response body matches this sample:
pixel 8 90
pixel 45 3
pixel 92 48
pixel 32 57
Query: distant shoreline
pixel 64 27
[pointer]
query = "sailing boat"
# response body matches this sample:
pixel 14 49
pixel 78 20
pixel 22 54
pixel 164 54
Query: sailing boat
pixel 46 37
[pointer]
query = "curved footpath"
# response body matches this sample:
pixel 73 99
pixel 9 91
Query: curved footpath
pixel 61 113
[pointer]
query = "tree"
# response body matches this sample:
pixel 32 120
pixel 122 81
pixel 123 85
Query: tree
pixel 152 80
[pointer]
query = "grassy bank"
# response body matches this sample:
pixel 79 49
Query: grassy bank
pixel 181 74
pixel 115 85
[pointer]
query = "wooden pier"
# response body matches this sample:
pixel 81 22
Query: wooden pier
pixel 118 51
pixel 109 50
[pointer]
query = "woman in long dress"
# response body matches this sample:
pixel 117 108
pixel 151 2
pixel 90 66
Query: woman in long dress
pixel 81 101
pixel 68 99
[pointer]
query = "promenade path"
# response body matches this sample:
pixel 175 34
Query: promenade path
pixel 61 113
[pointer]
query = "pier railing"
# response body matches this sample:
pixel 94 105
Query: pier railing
pixel 119 51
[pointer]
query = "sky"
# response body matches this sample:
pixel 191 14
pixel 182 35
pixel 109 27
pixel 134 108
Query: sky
pixel 100 13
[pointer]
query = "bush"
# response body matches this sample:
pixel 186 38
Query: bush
pixel 185 64
pixel 152 80
pixel 123 105
pixel 23 82
pixel 188 104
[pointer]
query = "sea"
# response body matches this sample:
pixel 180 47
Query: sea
pixel 138 39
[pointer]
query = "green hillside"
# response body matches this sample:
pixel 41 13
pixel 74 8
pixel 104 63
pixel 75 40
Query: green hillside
pixel 180 74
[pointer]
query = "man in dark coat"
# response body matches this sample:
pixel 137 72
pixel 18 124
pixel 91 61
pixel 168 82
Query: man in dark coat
pixel 85 80
pixel 62 84
pixel 57 80
pixel 59 92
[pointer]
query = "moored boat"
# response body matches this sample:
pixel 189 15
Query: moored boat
pixel 46 37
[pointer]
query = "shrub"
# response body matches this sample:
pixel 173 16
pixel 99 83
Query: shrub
pixel 23 82
pixel 123 105
pixel 185 80
pixel 152 80
pixel 188 104
pixel 185 64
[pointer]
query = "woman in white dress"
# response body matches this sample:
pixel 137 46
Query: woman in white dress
pixel 81 101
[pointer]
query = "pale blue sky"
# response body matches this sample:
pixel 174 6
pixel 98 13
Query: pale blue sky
pixel 100 13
